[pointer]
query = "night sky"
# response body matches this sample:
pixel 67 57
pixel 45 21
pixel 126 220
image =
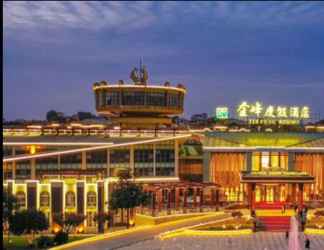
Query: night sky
pixel 223 52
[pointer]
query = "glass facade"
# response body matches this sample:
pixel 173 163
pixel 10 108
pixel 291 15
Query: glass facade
pixel 113 98
pixel 96 159
pixel 70 161
pixel 269 161
pixel 144 161
pixel 160 98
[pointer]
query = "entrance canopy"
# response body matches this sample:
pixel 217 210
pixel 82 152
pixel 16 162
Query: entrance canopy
pixel 276 177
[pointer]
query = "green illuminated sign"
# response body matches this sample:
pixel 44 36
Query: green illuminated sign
pixel 222 113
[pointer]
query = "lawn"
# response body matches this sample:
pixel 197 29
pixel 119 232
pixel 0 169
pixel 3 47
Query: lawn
pixel 20 242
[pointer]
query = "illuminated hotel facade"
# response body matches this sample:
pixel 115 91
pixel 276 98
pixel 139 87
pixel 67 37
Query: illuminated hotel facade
pixel 73 167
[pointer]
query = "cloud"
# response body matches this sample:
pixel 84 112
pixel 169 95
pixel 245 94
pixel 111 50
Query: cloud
pixel 130 16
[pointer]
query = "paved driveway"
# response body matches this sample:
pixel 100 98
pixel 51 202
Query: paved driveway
pixel 143 235
pixel 257 241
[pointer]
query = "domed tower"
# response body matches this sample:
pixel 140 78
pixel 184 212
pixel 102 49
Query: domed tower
pixel 139 105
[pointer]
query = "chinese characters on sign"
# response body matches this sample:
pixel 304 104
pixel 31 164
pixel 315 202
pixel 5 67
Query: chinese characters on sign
pixel 246 110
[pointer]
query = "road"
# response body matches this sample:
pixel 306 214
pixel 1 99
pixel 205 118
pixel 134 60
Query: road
pixel 142 235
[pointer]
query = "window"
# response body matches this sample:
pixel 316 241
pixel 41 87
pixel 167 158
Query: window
pixel 156 99
pixel 119 156
pixel 173 100
pixel 164 155
pixel 112 98
pixel 71 161
pixel 143 155
pixel 91 199
pixel 44 199
pixel 97 157
pixel 70 200
pixel 133 98
pixel 21 199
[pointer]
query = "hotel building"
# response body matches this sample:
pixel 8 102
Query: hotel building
pixel 73 167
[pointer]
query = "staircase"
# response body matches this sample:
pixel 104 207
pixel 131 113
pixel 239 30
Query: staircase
pixel 268 205
pixel 275 223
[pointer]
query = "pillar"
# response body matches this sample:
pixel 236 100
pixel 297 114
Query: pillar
pixel 195 190
pixel 176 158
pixel 131 160
pixel 206 168
pixel 177 198
pixel 153 202
pixel 83 160
pixel 33 169
pixel 201 200
pixel 301 193
pixel 248 166
pixel 291 161
pixel 32 195
pixel 185 200
pixel 253 196
pixel 100 208
pixel 13 165
pixel 293 193
pixel 169 201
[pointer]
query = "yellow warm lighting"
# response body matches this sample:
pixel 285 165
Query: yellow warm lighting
pixel 72 151
pixel 80 229
pixel 314 231
pixel 131 222
pixel 56 228
pixel 32 149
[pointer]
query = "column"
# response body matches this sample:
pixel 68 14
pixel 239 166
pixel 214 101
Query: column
pixel 33 169
pixel 293 194
pixel 108 163
pixel 253 196
pixel 153 202
pixel 169 201
pixel 301 194
pixel 177 197
pixel 100 208
pixel 160 199
pixel 13 164
pixel 184 200
pixel 248 156
pixel 291 161
pixel 206 167
pixel 154 159
pixel 131 160
pixel 83 160
pixel 249 194
pixel 176 158
pixel 195 197
pixel 31 195
pixel 80 199
pixel 201 201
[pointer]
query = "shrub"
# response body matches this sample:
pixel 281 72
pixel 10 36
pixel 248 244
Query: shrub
pixel 44 242
pixel 61 238
pixel 237 214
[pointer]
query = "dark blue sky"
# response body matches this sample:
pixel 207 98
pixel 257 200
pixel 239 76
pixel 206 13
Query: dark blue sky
pixel 223 52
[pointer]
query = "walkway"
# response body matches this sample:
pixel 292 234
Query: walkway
pixel 143 234
pixel 257 241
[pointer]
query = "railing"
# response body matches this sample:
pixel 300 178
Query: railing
pixel 92 132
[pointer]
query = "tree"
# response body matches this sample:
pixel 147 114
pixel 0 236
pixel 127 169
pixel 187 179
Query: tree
pixel 9 205
pixel 84 115
pixel 127 195
pixel 28 222
pixel 52 115
pixel 69 221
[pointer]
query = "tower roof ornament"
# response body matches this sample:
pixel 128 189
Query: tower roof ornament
pixel 139 76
